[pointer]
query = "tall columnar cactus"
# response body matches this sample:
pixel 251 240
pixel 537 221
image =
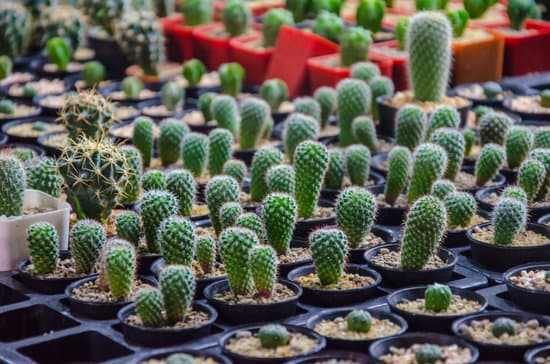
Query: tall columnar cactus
pixel 429 38
pixel 308 106
pixel 370 13
pixel 508 220
pixel 15 29
pixel 229 213
pixel 424 228
pixel 139 34
pixel 42 175
pixel 364 71
pixel 62 21
pixel 252 222
pixel 171 135
pixel 219 190
pixel 43 243
pixel 334 178
pixel 131 186
pixel 149 307
pixel 120 266
pixel 329 250
pixel 235 17
pixel 254 115
pixel 235 246
pixel 172 95
pixel 399 164
pixel 263 267
pixel 430 161
pixel 531 177
pixel 143 138
pixel 153 179
pixel 364 131
pixel 469 141
pixel 380 86
pixel 461 207
pixel 176 237
pixel 177 285
pixel 204 105
pixel 299 127
pixel 493 128
pixel 272 22
pixel 355 213
pixel 519 141
pixel 310 165
pixel 263 159
pixel 236 169
pixel 444 116
pixel 488 164
pixel 128 227
pixel 453 142
pixel 280 213
pixel 220 150
pixel 358 164
pixel 410 126
pixel 197 12
pixel 195 153
pixel 281 178
pixel 86 113
pixel 442 188
pixel 226 113
pixel 156 206
pixel 354 46
pixel 87 239
pixel 206 252
pixel 354 99
pixel 182 185
pixel 231 78
pixel 543 155
pixel 542 138
pixel 274 92
pixel 327 99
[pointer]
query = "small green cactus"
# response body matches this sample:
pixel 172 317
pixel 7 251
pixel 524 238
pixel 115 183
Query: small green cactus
pixel 545 98
pixel 515 192
pixel 329 250
pixel 410 126
pixel 87 239
pixel 182 185
pixel 132 87
pixel 310 165
pixel 274 92
pixel 493 128
pixel 236 169
pixel 170 139
pixel 357 158
pixel 453 142
pixel 128 227
pixel 272 22
pixel 153 180
pixel 354 45
pixel 93 73
pixel 149 307
pixel 280 213
pixel 380 86
pixel 229 213
pixel 263 267
pixel 461 207
pixel 364 71
pixel 355 213
pixel 176 237
pixel 299 127
pixel 308 106
pixel 443 116
pixel 334 178
pixel 518 11
pixel 219 190
pixel 59 52
pixel 491 89
pixel 235 247
pixel 231 78
pixel 273 335
pixel 399 164
pixel 370 13
pixel 459 20
pixel 254 115
pixel 364 131
pixel 519 141
pixel 12 183
pixel 226 113
pixel 543 155
pixel 156 206
pixel 235 17
pixel 220 150
pixel 195 153
pixel 531 177
pixel 503 325
pixel 120 266
pixel 354 99
pixel 508 219
pixel 359 321
pixel 429 163
pixel 437 297
pixel 327 99
pixel 131 186
pixel 42 175
pixel 7 107
pixel 542 138
pixel 177 285
pixel 197 12
pixel 490 161
pixel 204 105
pixel 428 354
pixel 43 243
pixel 442 188
pixel 401 32
pixel 263 159
pixel 328 25
pixel 252 222
pixel 281 178
pixel 143 138
pixel 480 111
pixel 192 71
pixel 206 252
pixel 469 141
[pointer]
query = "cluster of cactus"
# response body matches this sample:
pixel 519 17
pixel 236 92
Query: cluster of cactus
pixel 155 207
pixel 170 140
pixel 104 13
pixel 429 164
pixel 15 29
pixel 508 219
pixel 274 92
pixel 310 165
pixel 87 239
pixel 280 213
pixel 272 22
pixel 399 162
pixel 354 99
pixel 355 212
pixel 263 159
pixel 42 175
pixel 60 21
pixel 43 243
pixel 329 250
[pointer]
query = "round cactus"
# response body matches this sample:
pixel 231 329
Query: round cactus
pixel 508 220
pixel 442 188
pixel 280 213
pixel 354 99
pixel 519 141
pixel 219 190
pixel 93 73
pixel 299 127
pixel 308 106
pixel 489 163
pixel 193 70
pixel 469 141
pixel 272 22
pixel 226 113
pixel 177 285
pixel 429 165
pixel 43 243
pixel 153 180
pixel 231 78
pixel 197 12
pixel 364 71
pixel 453 142
pixel 87 239
pixel 176 237
pixel 327 99
pixel 359 321
pixel 461 207
pixel 355 213
pixel 236 169
pixel 399 162
pixel 182 185
pixel 220 150
pixel 254 115
pixel 493 128
pixel 310 165
pixel 229 213
pixel 370 13
pixel 169 142
pixel 252 222
pixel 274 92
pixel 334 178
pixel 195 153
pixel 354 45
pixel 128 227
pixel 531 177
pixel 42 175
pixel 263 159
pixel 443 116
pixel 120 266
pixel 410 126
pixel 143 138
pixel 437 297
pixel 132 87
pixel 281 178
pixel 428 354
pixel 235 247
pixel 503 325
pixel 263 267
pixel 235 17
pixel 206 252
pixel 515 192
pixel 329 250
pixel 131 186
pixel 156 206
pixel 149 307
pixel 364 132
pixel 328 25
pixel 357 158
pixel 273 335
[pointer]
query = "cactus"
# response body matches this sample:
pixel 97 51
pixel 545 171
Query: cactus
pixel 143 138
pixel 519 141
pixel 531 177
pixel 219 190
pixel 334 176
pixel 359 321
pixel 281 178
pixel 310 165
pixel 120 266
pixel 172 95
pixel 87 239
pixel 195 153
pixel 461 207
pixel 7 107
pixel 42 175
pixel 503 325
pixel 518 11
pixel 131 186
pixel 370 13
pixel 86 113
pixel 272 22
pixel 399 161
pixel 139 34
pixel 364 131
pixel 104 13
pixel 132 87
pixel 263 159
pixel 442 188
pixel 229 213
pixel 437 297
pixel 469 141
pixel 15 29
pixel 490 161
pixel 156 206
pixel 206 252
pixel 60 21
pixel 328 25
pixel 355 213
pixel 428 353
pixel 364 71
pixel 176 237
pixel 476 8
pixel 177 285
pixel 333 6
pixel 480 111
pixel 273 335
pixel 424 228
pixel 453 142
pixel 354 99
pixel 197 12
pixel 542 138
pixel 508 219
pixel 357 158
pixel 459 20
pixel 430 161
pixel 429 39
pixel 299 127
pixel 153 180
pixel 491 89
pixel 280 213
pixel 220 146
pixel 128 227
pixel 354 45
pixel 327 99
pixel 192 71
pixel 308 106
pixel 544 98
pixel 226 113
pixel 204 105
pixel 380 86
pixel 493 127
pixel 235 17
pixel 231 78
pixel 236 169
pixel 515 192
pixel 59 52
pixel 274 92
pixel 263 267
pixel 329 250
pixel 543 155
pixel 170 139
pixel 235 246
pixel 443 116
pixel 252 222
pixel 401 28
pixel 149 307
pixel 410 126
pixel 93 73
pixel 43 242
pixel 254 114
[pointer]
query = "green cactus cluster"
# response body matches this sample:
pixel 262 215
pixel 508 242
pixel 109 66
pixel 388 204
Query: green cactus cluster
pixel 43 243
pixel 354 99
pixel 176 237
pixel 172 132
pixel 195 153
pixel 508 219
pixel 220 150
pixel 87 239
pixel 399 164
pixel 263 159
pixel 490 161
pixel 156 206
pixel 429 164
pixel 280 213
pixel 329 250
pixel 128 227
pixel 219 190
pixel 310 165
pixel 410 126
pixel 355 213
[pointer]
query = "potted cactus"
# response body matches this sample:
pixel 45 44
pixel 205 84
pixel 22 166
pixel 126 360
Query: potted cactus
pixel 170 105
pixel 15 30
pixel 130 91
pixel 275 93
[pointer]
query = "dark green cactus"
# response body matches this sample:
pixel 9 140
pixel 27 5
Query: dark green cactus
pixel 329 250
pixel 176 237
pixel 236 169
pixel 263 159
pixel 490 161
pixel 359 321
pixel 491 89
pixel 399 162
pixel 437 297
pixel 220 150
pixel 235 17
pixel 274 92
pixel 476 8
pixel 195 153
pixel 280 213
pixel 93 73
pixel 263 267
pixel 354 99
pixel 273 335
pixel 531 177
pixel 328 25
pixel 543 155
pixel 461 207
pixel 380 86
pixel 364 71
pixel 177 285
pixel 410 126
pixel 542 138
pixel 469 141
pixel 226 113
pixel 6 67
pixel 143 138
pixel 206 252
pixel 357 159
pixel 442 188
pixel 493 127
pixel 334 178
pixel 430 161
pixel 272 22
pixel 401 32
pixel 428 353
pixel 128 227
pixel 182 185
pixel 254 115
pixel 327 99
pixel 170 139
pixel 192 71
pixel 503 325
pixel 299 127
pixel 281 178
pixel 219 190
pixel 370 13
pixel 153 180
pixel 156 206
pixel 508 219
pixel 204 105
pixel 42 175
pixel 252 222
pixel 443 116
pixel 229 213
pixel 515 192
pixel 308 106
pixel 235 247
pixel 149 307
pixel 310 165
pixel 43 243
pixel 364 131
pixel 298 8
pixel 354 45
pixel 355 213
pixel 453 142
pixel 231 78
pixel 87 239
pixel 519 141
pixel 197 12
pixel 120 267
pixel 518 11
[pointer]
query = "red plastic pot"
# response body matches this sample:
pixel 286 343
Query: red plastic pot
pixel 257 8
pixel 321 74
pixel 254 59
pixel 399 64
pixel 289 60
pixel 174 49
pixel 209 47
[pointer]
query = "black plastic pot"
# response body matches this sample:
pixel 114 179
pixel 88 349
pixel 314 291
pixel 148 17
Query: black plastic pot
pixel 108 52
pixel 544 219
pixel 50 150
pixel 335 297
pixel 498 181
pixel 425 322
pixel 501 258
pixel 162 337
pixel 156 102
pixel 331 194
pixel 145 261
pixel 455 238
pixel 525 115
pixel 242 359
pixel 382 347
pixel 246 155
pixel 115 86
pixel 393 216
pixel 244 313
pixel 532 355
pixel 37 67
pixel 357 256
pixel 3 138
pixel 285 268
pixel 494 103
pixel 37 150
pixel 404 277
pixel 494 351
pixel 36 112
pixel 530 299
pixel 377 161
pixel 303 228
pixel 22 139
pixel 387 113
pixel 46 110
pixel 97 310
pixel 327 356
pixel 164 354
pixel 355 345
pixel 202 128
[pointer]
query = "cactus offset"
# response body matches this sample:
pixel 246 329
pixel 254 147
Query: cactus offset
pixel 272 22
pixel 493 127
pixel 156 206
pixel 149 307
pixel 531 177
pixel 42 175
pixel 281 178
pixel 461 207
pixel 334 178
pixel 280 213
pixel 206 252
pixel 143 138
pixel 442 188
pixel 229 213
pixel 274 92
pixel 120 266
pixel 364 131
pixel 254 115
pixel 310 165
pixel 226 113
pixel 519 141
pixel 236 169
pixel 329 250
pixel 153 179
pixel 43 243
pixel 443 116
pixel 327 99
pixel 453 142
pixel 355 213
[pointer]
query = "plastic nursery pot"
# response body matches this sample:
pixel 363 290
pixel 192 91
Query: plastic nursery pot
pixel 326 70
pixel 336 297
pixel 530 299
pixel 97 310
pixel 16 138
pixel 161 337
pixel 285 268
pixel 496 351
pixel 108 52
pixel 427 322
pixel 544 219
pixel 175 45
pixel 498 181
pixel 290 54
pixel 405 277
pixel 393 216
pixel 495 103
pixel 244 359
pixel 164 354
pixel 247 50
pixel 398 59
pixel 48 149
pixel 481 196
pixel 47 110
pixel 211 45
pixel 303 228
pixel 244 313
pixel 339 356
pixel 147 108
pixel 455 238
pixel 532 355
pixel 359 345
pixel 507 104
pixel 107 91
pixel 3 138
pixel 145 261
pixel 36 112
pixel 36 149
pixel 383 347
pixel 502 257
pixel 357 255
pixel 331 194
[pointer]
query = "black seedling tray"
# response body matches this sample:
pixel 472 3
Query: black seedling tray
pixel 465 260
pixel 498 298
